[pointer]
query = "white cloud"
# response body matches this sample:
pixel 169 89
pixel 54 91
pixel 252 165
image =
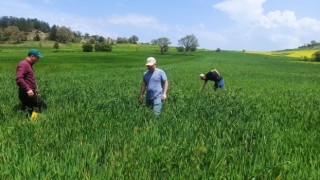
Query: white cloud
pixel 285 41
pixel 242 10
pixel 277 18
pixel 278 29
pixel 313 24
pixel 137 20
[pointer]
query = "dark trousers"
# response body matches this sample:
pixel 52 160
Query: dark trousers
pixel 34 103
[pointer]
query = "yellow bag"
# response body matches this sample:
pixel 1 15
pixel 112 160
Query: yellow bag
pixel 34 115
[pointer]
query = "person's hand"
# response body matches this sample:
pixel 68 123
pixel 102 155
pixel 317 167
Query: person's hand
pixel 141 98
pixel 30 93
pixel 164 97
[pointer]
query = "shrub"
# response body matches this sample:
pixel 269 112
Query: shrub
pixel 37 38
pixel 180 49
pixel 316 56
pixel 56 46
pixel 87 47
pixel 103 47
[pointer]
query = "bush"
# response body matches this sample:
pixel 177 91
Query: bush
pixel 180 49
pixel 103 47
pixel 37 38
pixel 164 49
pixel 87 47
pixel 316 56
pixel 56 46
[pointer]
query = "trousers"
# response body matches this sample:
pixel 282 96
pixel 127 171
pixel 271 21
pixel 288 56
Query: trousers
pixel 155 104
pixel 34 103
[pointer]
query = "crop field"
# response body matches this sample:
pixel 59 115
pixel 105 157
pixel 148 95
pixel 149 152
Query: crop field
pixel 264 125
pixel 296 54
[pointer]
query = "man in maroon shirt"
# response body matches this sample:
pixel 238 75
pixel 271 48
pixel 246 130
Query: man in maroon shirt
pixel 26 82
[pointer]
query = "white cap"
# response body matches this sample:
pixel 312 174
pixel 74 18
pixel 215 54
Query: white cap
pixel 151 61
pixel 202 75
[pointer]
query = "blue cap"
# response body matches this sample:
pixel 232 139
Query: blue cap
pixel 35 52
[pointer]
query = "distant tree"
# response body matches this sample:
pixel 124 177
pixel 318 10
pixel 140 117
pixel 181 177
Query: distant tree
pixel 133 39
pixel 56 46
pixel 1 34
pixel 218 50
pixel 122 40
pixel 101 39
pixel 64 34
pixel 86 37
pixel 36 37
pixel 77 37
pixel 26 25
pixel 13 33
pixel 316 56
pixel 92 40
pixel 163 43
pixel 77 34
pixel 87 47
pixel 110 41
pixel 53 33
pixel 189 42
pixel 313 42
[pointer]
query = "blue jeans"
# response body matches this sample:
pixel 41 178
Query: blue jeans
pixel 219 84
pixel 155 104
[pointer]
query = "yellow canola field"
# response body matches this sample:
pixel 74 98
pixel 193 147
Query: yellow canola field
pixel 291 53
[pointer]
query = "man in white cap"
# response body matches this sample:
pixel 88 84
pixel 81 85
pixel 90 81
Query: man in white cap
pixel 155 84
pixel 214 76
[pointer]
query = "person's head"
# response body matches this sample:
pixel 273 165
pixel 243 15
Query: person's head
pixel 34 55
pixel 202 77
pixel 151 63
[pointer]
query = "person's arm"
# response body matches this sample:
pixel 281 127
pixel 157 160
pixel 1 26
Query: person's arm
pixel 165 89
pixel 204 84
pixel 142 90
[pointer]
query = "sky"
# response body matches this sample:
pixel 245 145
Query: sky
pixel 251 25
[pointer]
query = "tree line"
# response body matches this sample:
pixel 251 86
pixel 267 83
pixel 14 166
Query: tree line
pixel 26 25
pixel 16 30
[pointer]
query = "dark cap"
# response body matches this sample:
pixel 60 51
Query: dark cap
pixel 35 52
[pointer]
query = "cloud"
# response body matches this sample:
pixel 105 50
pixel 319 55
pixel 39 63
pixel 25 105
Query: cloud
pixel 277 29
pixel 241 10
pixel 277 18
pixel 137 20
pixel 285 41
pixel 311 23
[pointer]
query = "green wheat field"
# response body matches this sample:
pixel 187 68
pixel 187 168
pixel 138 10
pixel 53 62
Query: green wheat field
pixel 264 125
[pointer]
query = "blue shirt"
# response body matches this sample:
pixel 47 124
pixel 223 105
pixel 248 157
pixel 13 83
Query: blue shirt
pixel 154 81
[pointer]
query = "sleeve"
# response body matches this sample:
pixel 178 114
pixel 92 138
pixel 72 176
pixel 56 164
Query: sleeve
pixel 144 78
pixel 19 77
pixel 163 76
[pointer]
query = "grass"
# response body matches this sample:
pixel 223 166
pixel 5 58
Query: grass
pixel 264 125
